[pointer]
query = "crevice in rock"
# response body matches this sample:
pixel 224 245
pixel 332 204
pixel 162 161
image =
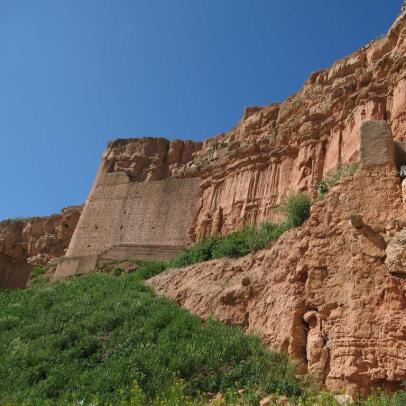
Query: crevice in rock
pixel 400 275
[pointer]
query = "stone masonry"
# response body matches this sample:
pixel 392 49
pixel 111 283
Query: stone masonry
pixel 118 211
pixel 127 218
pixel 14 274
pixel 377 145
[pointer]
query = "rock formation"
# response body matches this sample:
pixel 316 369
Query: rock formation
pixel 281 147
pixel 37 240
pixel 14 274
pixel 323 292
pixel 331 293
pixel 245 173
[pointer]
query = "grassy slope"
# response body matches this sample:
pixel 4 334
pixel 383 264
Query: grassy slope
pixel 104 339
pixel 97 334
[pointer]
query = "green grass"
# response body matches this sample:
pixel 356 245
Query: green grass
pixel 102 339
pixel 38 270
pixel 333 177
pixel 296 209
pixel 107 339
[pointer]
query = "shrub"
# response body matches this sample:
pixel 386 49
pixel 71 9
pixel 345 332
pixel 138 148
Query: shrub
pixel 38 276
pixel 265 234
pixel 148 269
pixel 333 177
pixel 236 244
pixel 296 209
pixel 239 243
pixel 384 399
pixel 200 252
pixel 117 272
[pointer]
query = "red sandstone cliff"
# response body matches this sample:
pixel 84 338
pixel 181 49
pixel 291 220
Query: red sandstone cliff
pixel 332 293
pixel 37 240
pixel 323 292
pixel 273 149
pixel 289 146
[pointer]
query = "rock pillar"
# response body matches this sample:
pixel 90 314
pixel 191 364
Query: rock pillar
pixel 377 145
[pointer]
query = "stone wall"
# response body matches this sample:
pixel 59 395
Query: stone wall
pixel 122 212
pixel 14 274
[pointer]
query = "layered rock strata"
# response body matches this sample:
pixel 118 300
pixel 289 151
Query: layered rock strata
pixel 245 173
pixel 37 240
pixel 323 292
pixel 275 149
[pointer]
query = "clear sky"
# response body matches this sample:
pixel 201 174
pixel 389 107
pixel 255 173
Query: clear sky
pixel 75 74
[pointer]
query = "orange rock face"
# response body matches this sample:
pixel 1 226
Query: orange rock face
pixel 323 292
pixel 331 293
pixel 275 149
pixel 38 240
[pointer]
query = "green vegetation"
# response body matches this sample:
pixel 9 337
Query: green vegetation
pixel 378 399
pixel 39 276
pixel 332 178
pixel 37 271
pixel 107 339
pixel 102 339
pixel 296 210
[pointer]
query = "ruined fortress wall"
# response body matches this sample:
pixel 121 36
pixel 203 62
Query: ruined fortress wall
pixel 121 212
pixel 247 172
pixel 160 212
pixel 14 274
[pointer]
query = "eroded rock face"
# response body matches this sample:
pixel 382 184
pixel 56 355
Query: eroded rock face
pixel 38 240
pixel 396 254
pixel 322 292
pixel 275 149
pixel 148 159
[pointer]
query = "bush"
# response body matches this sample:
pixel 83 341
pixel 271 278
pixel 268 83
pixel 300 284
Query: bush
pixel 200 252
pixel 384 399
pixel 236 244
pixel 239 243
pixel 148 269
pixel 296 209
pixel 333 177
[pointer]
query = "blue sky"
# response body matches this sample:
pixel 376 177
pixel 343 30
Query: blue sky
pixel 75 74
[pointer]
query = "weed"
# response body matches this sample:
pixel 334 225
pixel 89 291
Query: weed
pixel 333 177
pixel 296 209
